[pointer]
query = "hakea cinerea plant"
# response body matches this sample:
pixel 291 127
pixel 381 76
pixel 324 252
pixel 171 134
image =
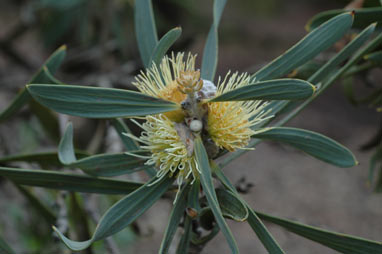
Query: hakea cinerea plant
pixel 188 123
pixel 169 137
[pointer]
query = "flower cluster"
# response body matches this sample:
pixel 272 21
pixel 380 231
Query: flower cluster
pixel 222 125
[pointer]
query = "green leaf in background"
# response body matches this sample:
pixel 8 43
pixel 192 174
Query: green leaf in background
pixel 43 75
pixel 98 165
pixel 175 217
pixel 278 89
pixel 312 143
pixel 4 247
pixel 209 190
pixel 210 52
pixel 124 212
pixel 362 18
pixel 145 30
pixel 256 224
pixel 375 57
pixel 70 182
pixel 310 46
pixel 342 243
pixel 96 102
pixel 164 45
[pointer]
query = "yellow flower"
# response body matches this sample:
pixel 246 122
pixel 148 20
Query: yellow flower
pixel 230 123
pixel 168 152
pixel 169 136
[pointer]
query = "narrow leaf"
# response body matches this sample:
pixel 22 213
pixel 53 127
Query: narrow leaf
pixel 256 224
pixel 130 144
pixel 312 143
pixel 209 190
pixel 164 45
pixel 42 75
pixel 43 158
pixel 124 212
pixel 231 205
pixel 310 46
pixel 193 196
pixel 174 220
pixel 70 182
pixel 343 243
pixel 184 243
pixel 210 52
pixel 122 128
pixel 98 165
pixel 65 148
pixel 345 53
pixel 278 89
pixel 95 102
pixel 145 29
pixel 362 17
pixel 110 164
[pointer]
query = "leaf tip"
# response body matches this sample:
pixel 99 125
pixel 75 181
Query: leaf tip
pixel 62 47
pixel 313 88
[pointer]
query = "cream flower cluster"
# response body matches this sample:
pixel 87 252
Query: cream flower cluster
pixel 222 125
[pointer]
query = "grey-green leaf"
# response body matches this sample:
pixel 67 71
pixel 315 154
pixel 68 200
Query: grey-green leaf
pixel 278 89
pixel 184 243
pixel 342 243
pixel 164 45
pixel 312 143
pixel 44 74
pixel 209 190
pixel 70 182
pixel 145 29
pixel 345 53
pixel 43 158
pixel 174 220
pixel 110 164
pixel 121 128
pixel 100 164
pixel 310 46
pixel 124 212
pixel 210 52
pixel 256 224
pixel 96 102
pixel 362 17
pixel 231 205
pixel 65 148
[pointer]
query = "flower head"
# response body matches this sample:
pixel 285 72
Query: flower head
pixel 222 125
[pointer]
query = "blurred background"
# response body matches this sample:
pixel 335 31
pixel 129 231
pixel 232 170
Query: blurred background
pixel 102 51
